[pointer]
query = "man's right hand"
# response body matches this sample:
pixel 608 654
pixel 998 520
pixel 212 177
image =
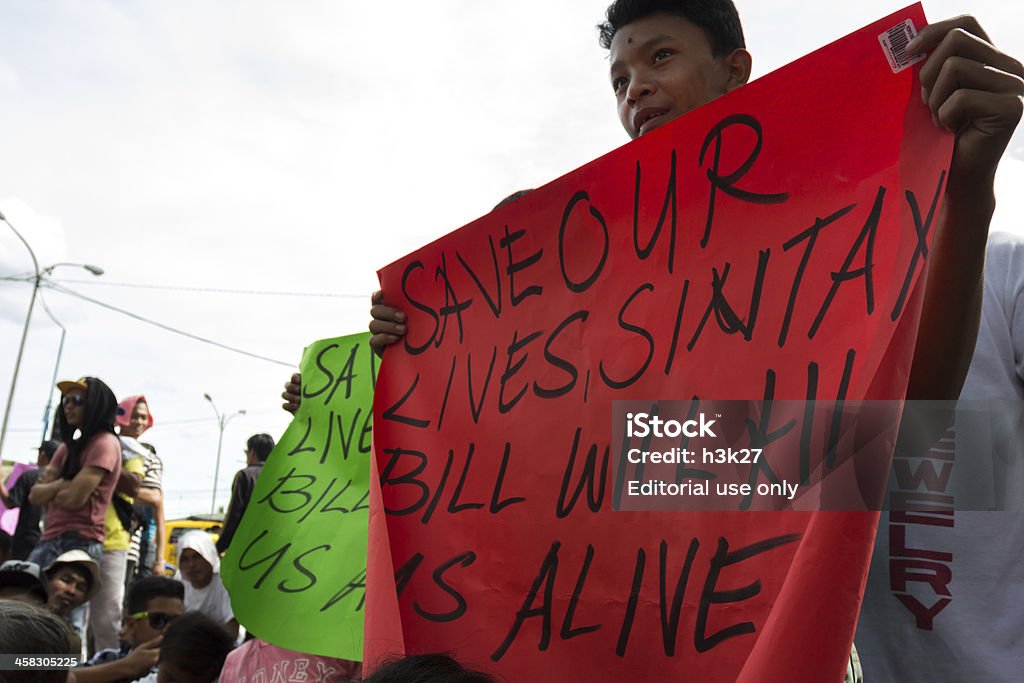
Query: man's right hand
pixel 292 394
pixel 144 657
pixel 387 326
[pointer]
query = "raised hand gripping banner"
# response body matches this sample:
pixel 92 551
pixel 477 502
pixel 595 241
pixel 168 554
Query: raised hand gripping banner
pixel 768 245
pixel 296 567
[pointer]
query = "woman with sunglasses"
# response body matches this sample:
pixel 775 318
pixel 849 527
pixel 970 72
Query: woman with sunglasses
pixel 79 481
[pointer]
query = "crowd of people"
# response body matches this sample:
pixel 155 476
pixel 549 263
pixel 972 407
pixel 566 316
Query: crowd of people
pixel 84 570
pixel 89 548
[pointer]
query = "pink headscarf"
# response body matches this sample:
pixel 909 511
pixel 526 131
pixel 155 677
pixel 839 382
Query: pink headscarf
pixel 125 408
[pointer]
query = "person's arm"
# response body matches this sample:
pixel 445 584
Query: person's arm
pixel 76 493
pixel 232 628
pixel 135 665
pixel 976 91
pixel 149 496
pixel 18 494
pixel 48 485
pixel 128 483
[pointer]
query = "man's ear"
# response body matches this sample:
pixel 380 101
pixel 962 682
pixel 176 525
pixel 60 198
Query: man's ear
pixel 738 63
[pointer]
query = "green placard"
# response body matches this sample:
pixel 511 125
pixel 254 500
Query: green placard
pixel 296 568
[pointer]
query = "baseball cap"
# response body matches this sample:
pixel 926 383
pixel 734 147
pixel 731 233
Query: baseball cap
pixel 66 385
pixel 22 574
pixel 81 559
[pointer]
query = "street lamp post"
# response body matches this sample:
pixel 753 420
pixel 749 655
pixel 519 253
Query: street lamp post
pixel 24 333
pixel 56 367
pixel 36 282
pixel 222 421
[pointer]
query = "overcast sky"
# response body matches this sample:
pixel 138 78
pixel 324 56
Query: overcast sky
pixel 292 147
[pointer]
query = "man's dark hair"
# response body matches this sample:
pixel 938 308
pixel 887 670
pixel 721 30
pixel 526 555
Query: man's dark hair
pixel 30 630
pixel 100 412
pixel 717 18
pixel 511 198
pixel 197 645
pixel 261 445
pixel 149 587
pixel 434 668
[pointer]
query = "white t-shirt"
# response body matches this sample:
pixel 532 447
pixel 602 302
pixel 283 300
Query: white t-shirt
pixel 960 617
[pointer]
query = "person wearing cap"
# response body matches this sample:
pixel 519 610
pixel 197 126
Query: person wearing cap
pixel 22 580
pixel 77 485
pixel 146 554
pixel 26 532
pixel 118 523
pixel 73 579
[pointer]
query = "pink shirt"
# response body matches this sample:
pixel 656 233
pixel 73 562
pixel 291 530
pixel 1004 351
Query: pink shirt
pixel 257 661
pixel 102 451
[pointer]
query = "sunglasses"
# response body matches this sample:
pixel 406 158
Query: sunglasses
pixel 157 620
pixel 76 400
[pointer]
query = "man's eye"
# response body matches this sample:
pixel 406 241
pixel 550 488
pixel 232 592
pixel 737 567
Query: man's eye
pixel 661 54
pixel 618 84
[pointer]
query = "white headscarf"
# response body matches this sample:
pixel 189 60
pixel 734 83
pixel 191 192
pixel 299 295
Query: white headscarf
pixel 200 542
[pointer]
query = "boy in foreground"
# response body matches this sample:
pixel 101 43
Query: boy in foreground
pixel 669 57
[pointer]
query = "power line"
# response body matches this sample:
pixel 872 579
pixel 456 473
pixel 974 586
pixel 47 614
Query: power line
pixel 178 288
pixel 71 292
pixel 193 420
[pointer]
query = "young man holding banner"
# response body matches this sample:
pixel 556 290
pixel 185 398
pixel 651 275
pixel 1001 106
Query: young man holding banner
pixel 669 57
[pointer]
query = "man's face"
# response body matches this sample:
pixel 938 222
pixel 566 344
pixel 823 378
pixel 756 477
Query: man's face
pixel 68 586
pixel 661 68
pixel 161 609
pixel 73 403
pixel 195 569
pixel 138 422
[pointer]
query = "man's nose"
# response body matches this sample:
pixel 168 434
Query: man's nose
pixel 639 88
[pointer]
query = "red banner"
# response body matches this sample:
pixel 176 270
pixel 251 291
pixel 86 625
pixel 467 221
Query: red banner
pixel 765 246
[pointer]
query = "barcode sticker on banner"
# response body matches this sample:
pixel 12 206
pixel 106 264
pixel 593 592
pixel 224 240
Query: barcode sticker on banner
pixel 894 45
